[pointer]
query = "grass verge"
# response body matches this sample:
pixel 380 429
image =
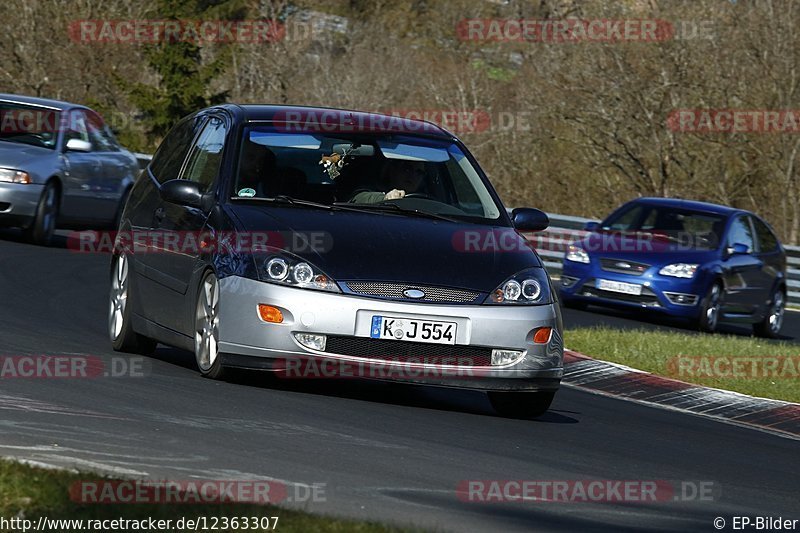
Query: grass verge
pixel 27 492
pixel 742 364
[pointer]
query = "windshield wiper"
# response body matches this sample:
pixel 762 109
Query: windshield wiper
pixel 394 208
pixel 287 200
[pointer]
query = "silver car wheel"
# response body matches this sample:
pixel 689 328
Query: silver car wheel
pixel 207 324
pixel 712 311
pixel 49 212
pixel 776 313
pixel 118 297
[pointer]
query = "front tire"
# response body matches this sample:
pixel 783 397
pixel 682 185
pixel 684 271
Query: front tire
pixel 524 405
pixel 120 329
pixel 206 329
pixel 710 309
pixel 770 327
pixel 43 226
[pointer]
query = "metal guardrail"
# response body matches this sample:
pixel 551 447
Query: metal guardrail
pixel 552 243
pixel 143 159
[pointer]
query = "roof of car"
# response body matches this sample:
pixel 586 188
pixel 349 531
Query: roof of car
pixel 690 204
pixel 41 102
pixel 331 120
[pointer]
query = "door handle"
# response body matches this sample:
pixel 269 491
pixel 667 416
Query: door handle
pixel 159 215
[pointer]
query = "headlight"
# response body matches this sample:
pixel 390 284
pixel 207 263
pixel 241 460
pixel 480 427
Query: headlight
pixel 529 287
pixel 287 270
pixel 577 254
pixel 9 175
pixel 679 270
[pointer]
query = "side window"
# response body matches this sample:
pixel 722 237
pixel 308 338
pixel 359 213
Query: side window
pixel 76 127
pixel 767 241
pixel 97 133
pixel 205 158
pixel 168 159
pixel 741 233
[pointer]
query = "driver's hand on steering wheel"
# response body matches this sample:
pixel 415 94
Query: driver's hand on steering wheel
pixel 394 194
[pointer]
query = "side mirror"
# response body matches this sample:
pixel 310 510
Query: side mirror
pixel 592 226
pixel 182 192
pixel 528 219
pixel 738 249
pixel 78 145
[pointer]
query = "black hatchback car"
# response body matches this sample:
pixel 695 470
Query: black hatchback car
pixel 326 243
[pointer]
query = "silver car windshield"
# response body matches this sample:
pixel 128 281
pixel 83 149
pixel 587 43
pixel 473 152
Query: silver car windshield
pixel 25 124
pixel 412 172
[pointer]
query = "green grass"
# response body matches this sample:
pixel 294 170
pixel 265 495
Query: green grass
pixel 30 492
pixel 690 357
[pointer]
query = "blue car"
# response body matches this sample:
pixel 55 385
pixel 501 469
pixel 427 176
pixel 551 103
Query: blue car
pixel 704 262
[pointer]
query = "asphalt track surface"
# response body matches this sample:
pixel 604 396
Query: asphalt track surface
pixel 384 452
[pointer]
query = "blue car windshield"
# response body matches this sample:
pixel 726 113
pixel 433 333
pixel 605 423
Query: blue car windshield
pixel 24 124
pixel 413 172
pixel 698 229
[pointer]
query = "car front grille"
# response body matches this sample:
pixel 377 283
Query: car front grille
pixel 391 290
pixel 409 352
pixel 647 298
pixel 622 266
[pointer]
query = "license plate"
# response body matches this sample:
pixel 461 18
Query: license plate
pixel 618 286
pixel 411 329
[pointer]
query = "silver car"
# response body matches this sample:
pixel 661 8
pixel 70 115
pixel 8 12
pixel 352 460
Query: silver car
pixel 60 165
pixel 328 251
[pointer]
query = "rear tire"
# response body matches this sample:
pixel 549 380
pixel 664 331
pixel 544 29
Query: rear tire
pixel 710 309
pixel 525 405
pixel 206 329
pixel 43 226
pixel 770 326
pixel 120 329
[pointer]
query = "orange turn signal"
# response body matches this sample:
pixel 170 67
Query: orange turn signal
pixel 542 335
pixel 270 314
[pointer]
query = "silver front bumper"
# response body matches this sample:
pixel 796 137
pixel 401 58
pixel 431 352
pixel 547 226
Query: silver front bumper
pixel 22 200
pixel 246 340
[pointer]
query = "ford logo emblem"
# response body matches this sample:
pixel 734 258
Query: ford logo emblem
pixel 624 265
pixel 413 293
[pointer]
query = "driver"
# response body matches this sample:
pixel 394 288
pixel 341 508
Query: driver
pixel 402 176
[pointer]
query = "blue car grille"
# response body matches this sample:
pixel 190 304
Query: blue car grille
pixel 622 266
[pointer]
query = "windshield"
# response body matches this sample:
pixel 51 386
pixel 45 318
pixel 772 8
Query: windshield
pixel 696 229
pixel 24 124
pixel 365 171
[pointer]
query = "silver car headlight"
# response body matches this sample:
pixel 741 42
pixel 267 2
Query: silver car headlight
pixel 679 270
pixel 285 269
pixel 9 175
pixel 577 254
pixel 529 287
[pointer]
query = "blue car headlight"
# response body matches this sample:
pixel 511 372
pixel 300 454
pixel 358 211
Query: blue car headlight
pixel 529 287
pixel 283 268
pixel 576 254
pixel 679 270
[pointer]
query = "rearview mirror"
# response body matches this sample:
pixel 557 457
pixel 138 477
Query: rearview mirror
pixel 78 145
pixel 592 226
pixel 738 249
pixel 528 219
pixel 182 192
